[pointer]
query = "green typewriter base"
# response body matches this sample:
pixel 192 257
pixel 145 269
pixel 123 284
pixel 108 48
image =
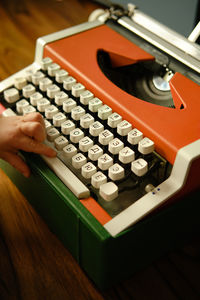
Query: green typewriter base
pixel 105 259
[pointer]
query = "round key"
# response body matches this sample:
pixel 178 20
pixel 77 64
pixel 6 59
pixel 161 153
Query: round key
pixel 68 105
pixel 134 136
pixel 58 119
pixel 95 152
pixel 46 62
pixel 52 134
pixel 34 98
pixel 108 191
pixel 98 179
pixel 115 146
pixel 50 111
pixel 60 142
pixel 11 95
pixel 114 119
pixel 116 172
pixel 88 170
pixel 123 128
pixel 68 83
pixel 20 82
pixel 60 97
pixel 126 155
pixel 28 109
pixel 77 89
pixel 77 112
pixel 43 104
pixel 20 105
pixel 52 69
pixel 146 146
pixel 105 161
pixel 47 124
pixel 86 96
pixel 104 111
pixel 105 137
pixel 85 144
pixel 52 90
pixel 95 104
pixel 67 127
pixel 37 76
pixel 28 90
pixel 45 83
pixel 61 75
pixel 96 128
pixel 139 167
pixel 86 120
pixel 76 135
pixel 78 160
pixel 69 151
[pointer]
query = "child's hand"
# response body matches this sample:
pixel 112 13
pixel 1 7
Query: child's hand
pixel 22 133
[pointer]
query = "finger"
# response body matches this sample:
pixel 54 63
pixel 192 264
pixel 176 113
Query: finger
pixel 34 117
pixel 17 162
pixel 34 130
pixel 30 145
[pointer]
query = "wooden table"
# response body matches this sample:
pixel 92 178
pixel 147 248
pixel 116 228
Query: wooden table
pixel 33 262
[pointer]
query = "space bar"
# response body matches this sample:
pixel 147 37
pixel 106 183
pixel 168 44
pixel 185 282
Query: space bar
pixel 67 177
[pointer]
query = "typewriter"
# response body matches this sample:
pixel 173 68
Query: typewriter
pixel 120 95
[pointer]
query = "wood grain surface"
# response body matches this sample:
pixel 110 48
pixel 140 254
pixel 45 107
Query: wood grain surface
pixel 33 262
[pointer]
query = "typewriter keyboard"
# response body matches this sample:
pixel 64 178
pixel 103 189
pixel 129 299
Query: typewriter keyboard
pixel 98 152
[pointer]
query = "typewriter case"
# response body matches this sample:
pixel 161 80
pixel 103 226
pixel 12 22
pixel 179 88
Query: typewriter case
pixel 80 225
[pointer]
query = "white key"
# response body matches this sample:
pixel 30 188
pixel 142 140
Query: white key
pixel 85 144
pixel 78 160
pixel 126 155
pixel 46 62
pixel 68 83
pixel 11 95
pixel 28 109
pixel 105 137
pixel 69 151
pixel 86 120
pixel 28 90
pixel 116 172
pixel 95 152
pixel 21 104
pixel 52 90
pixel 52 134
pixel 139 167
pixel 20 82
pixel 98 179
pixel 105 161
pixel 76 135
pixel 58 119
pixel 50 111
pixel 104 112
pixel 61 75
pixel 115 146
pixel 95 104
pixel 60 142
pixel 108 191
pixel 47 124
pixel 114 119
pixel 85 97
pixel 77 89
pixel 37 76
pixel 52 69
pixel 134 136
pixel 77 112
pixel 68 105
pixel 60 97
pixel 43 104
pixel 34 98
pixel 45 83
pixel 88 170
pixel 95 128
pixel 124 127
pixel 67 127
pixel 146 146
pixel 28 74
